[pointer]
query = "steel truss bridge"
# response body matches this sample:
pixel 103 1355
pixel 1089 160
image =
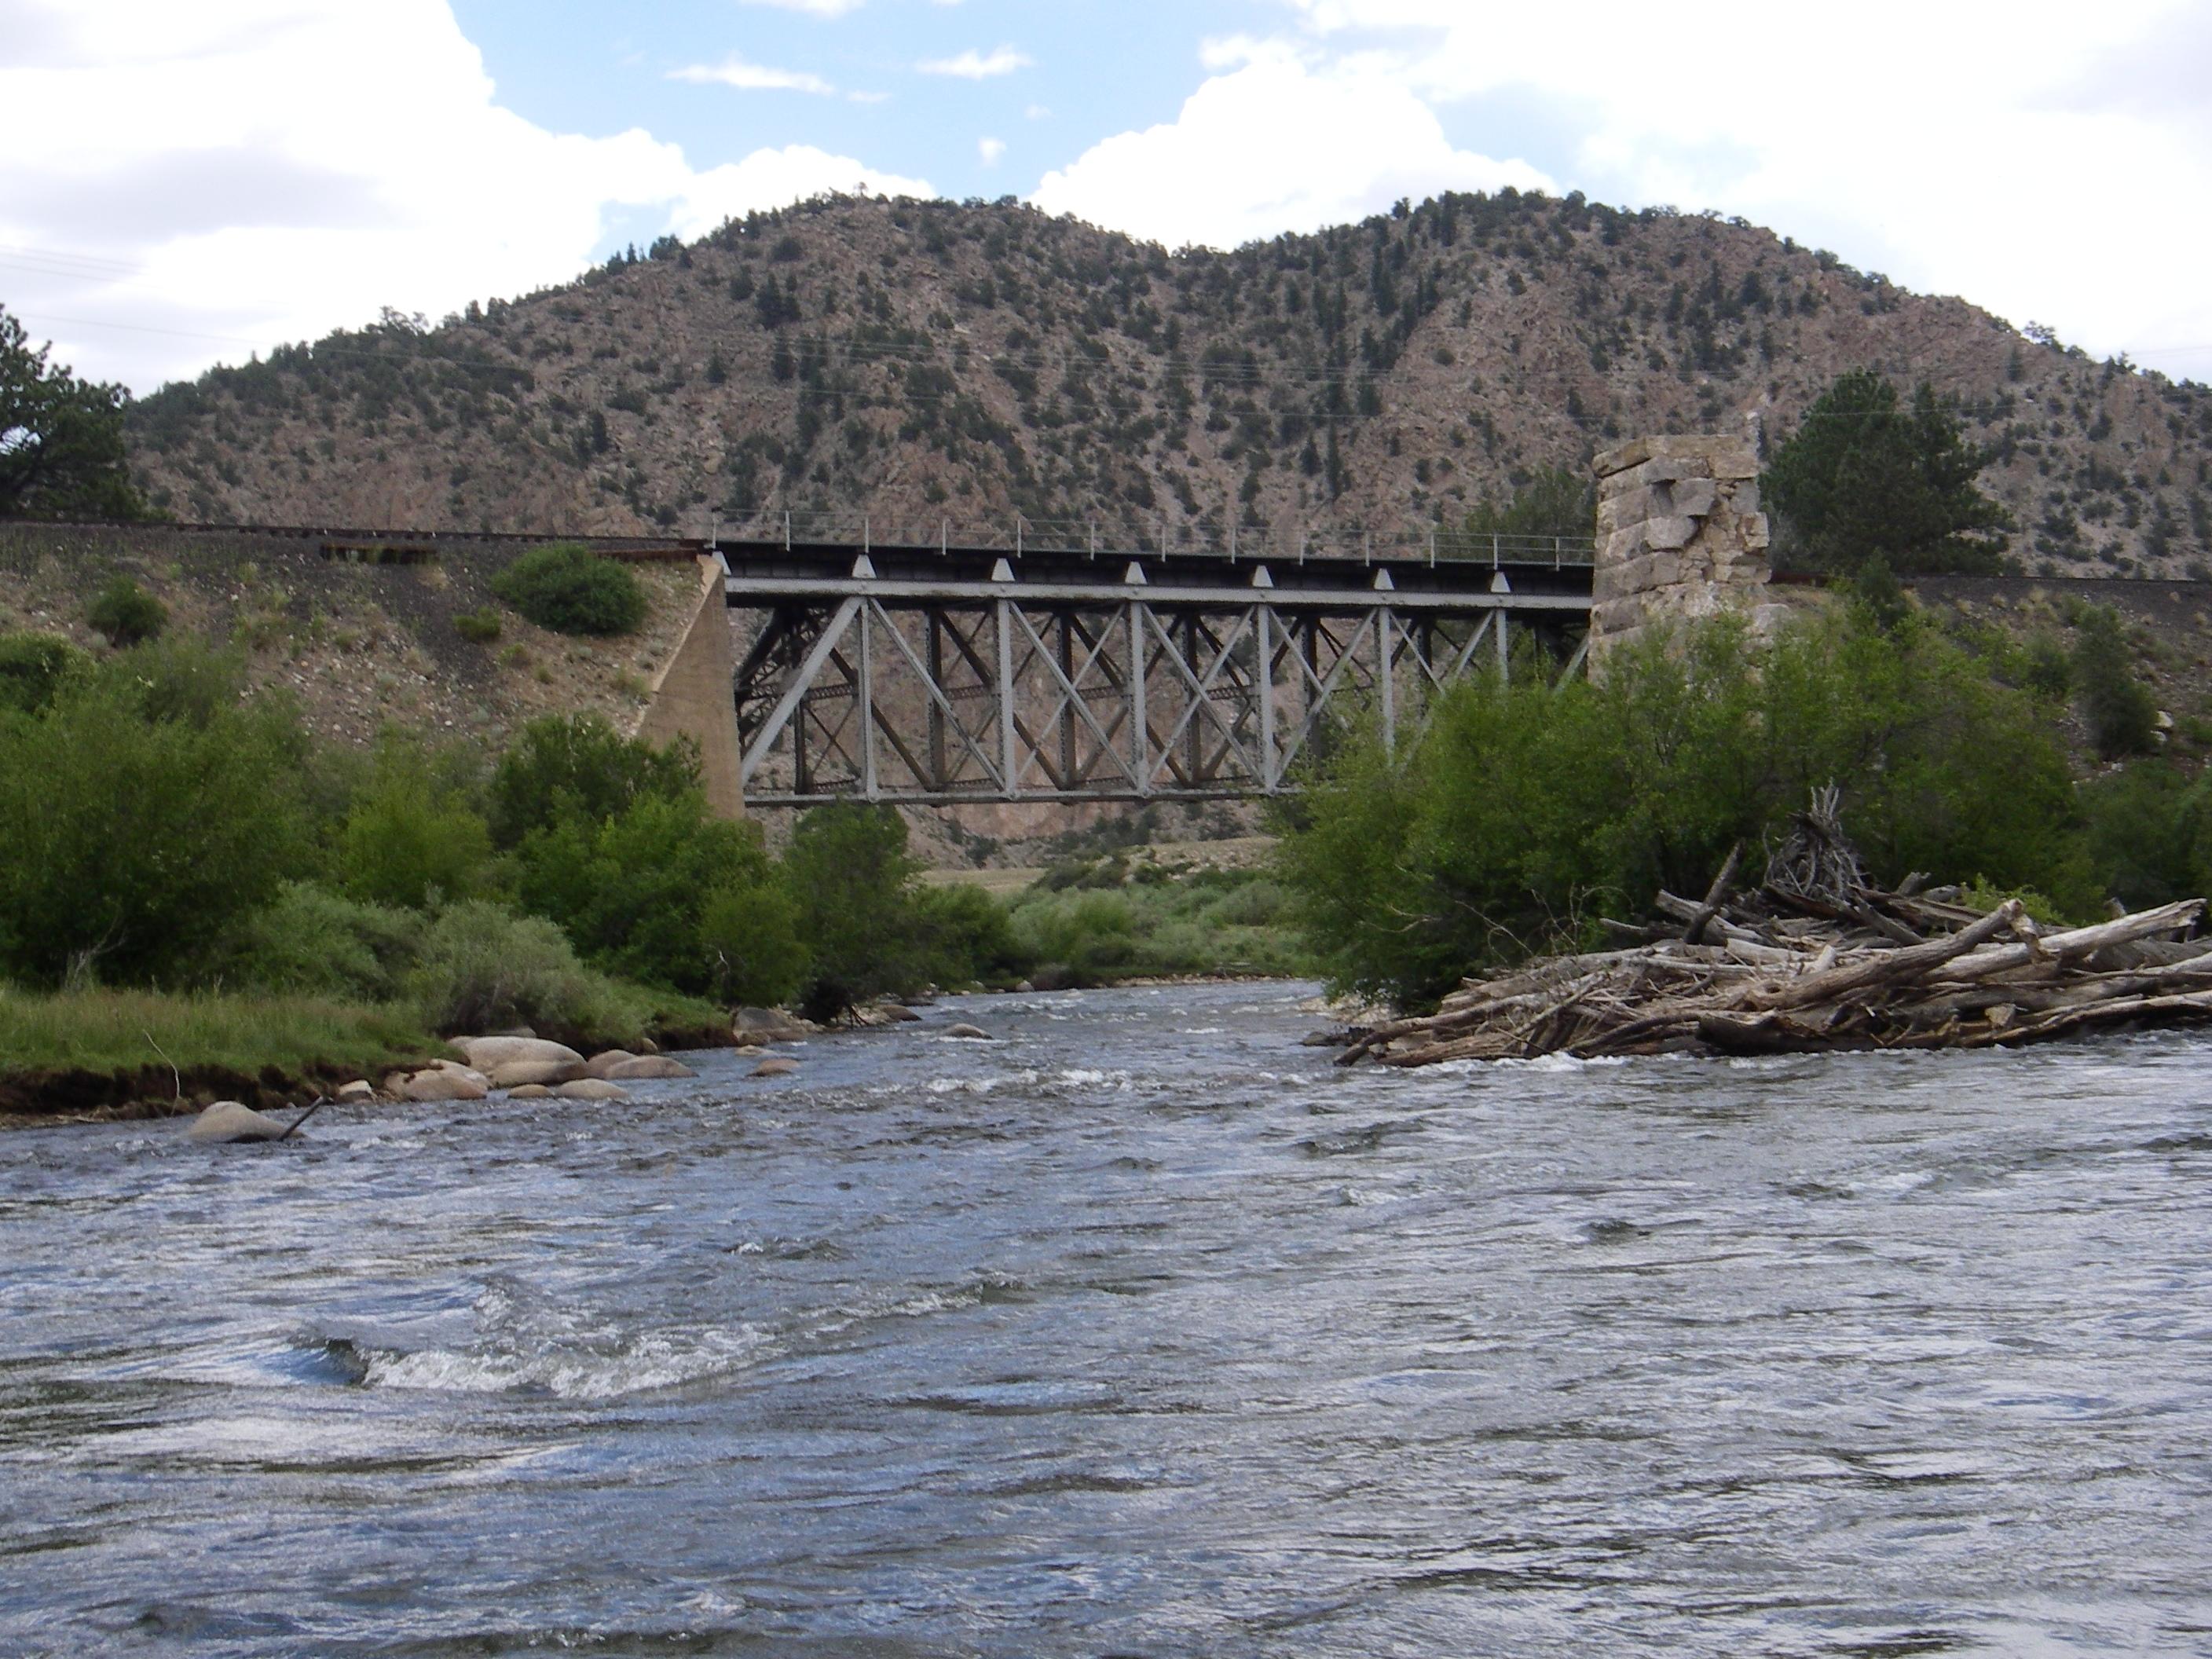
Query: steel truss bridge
pixel 922 670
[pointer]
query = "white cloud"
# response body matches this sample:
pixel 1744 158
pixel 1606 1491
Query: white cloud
pixel 2038 164
pixel 734 71
pixel 811 8
pixel 973 65
pixel 1037 112
pixel 267 170
pixel 990 149
pixel 1273 146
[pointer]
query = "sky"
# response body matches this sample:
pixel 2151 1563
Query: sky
pixel 187 184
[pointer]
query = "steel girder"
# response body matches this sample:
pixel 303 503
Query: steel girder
pixel 905 695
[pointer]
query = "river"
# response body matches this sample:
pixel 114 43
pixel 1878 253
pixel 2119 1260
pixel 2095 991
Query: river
pixel 1141 1331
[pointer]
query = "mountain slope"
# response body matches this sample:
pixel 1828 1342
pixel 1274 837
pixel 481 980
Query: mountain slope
pixel 925 361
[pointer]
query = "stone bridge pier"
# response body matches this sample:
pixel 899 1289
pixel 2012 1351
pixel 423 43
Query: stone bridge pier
pixel 1680 536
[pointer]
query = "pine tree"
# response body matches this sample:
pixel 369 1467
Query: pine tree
pixel 1864 477
pixel 61 439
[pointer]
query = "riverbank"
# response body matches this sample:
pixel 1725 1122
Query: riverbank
pixel 112 1055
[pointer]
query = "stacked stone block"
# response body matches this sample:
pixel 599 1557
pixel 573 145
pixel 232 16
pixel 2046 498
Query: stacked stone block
pixel 1680 536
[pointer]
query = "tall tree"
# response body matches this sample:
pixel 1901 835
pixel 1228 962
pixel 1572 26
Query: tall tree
pixel 1865 476
pixel 61 439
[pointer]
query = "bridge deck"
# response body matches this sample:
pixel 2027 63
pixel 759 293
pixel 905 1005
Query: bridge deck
pixel 952 674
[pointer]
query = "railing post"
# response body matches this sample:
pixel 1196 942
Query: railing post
pixel 786 531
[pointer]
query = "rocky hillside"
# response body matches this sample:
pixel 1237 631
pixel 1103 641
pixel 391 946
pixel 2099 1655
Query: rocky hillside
pixel 356 644
pixel 923 360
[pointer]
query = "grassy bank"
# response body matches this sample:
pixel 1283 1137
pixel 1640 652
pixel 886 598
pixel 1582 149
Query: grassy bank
pixel 139 1053
pixel 1129 916
pixel 124 1031
pixel 123 1052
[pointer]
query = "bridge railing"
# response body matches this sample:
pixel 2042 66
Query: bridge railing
pixel 1435 544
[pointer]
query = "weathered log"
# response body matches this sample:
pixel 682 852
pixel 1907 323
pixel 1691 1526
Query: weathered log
pixel 1716 896
pixel 2076 942
pixel 1893 966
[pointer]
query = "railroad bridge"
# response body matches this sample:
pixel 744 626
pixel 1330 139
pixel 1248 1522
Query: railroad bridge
pixel 1050 664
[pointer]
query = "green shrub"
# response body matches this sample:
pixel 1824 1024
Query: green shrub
pixel 412 839
pixel 580 766
pixel 136 834
pixel 2150 832
pixel 1078 938
pixel 858 910
pixel 485 968
pixel 749 941
pixel 567 588
pixel 477 626
pixel 968 937
pixel 636 891
pixel 1521 814
pixel 309 939
pixel 2120 713
pixel 32 669
pixel 125 613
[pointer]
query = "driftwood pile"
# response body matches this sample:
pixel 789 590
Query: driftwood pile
pixel 1817 959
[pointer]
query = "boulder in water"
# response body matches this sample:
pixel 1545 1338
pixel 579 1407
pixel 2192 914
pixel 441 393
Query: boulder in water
pixel 358 1089
pixel 591 1088
pixel 776 1065
pixel 531 1092
pixel 514 1073
pixel 970 1033
pixel 229 1120
pixel 600 1064
pixel 433 1084
pixel 756 1027
pixel 644 1068
pixel 488 1053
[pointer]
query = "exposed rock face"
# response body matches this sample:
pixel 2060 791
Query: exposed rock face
pixel 227 1121
pixel 1680 536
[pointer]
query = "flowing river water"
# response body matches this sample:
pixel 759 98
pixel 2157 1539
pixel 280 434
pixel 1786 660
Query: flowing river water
pixel 1141 1331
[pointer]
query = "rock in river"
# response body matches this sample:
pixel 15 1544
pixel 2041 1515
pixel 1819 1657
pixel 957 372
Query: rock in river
pixel 776 1065
pixel 514 1073
pixel 489 1053
pixel 592 1088
pixel 973 1033
pixel 643 1067
pixel 227 1121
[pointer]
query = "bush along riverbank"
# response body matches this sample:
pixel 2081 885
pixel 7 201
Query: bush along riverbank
pixel 199 898
pixel 1524 819
pixel 1808 958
